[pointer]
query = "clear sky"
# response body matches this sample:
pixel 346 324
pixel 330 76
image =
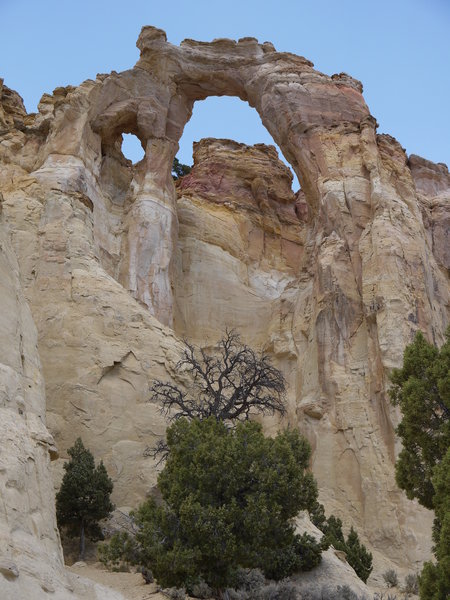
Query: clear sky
pixel 399 49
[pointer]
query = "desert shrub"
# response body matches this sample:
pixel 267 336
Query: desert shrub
pixel 282 590
pixel 147 575
pixel 357 554
pixel 411 585
pixel 302 555
pixel 119 553
pixel 232 594
pixel 317 514
pixel 344 592
pixel 249 580
pixel 341 592
pixel 201 590
pixel 251 585
pixel 390 578
pixel 175 593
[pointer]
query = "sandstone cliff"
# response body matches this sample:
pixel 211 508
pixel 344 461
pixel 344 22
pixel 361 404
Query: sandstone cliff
pixel 117 264
pixel 31 562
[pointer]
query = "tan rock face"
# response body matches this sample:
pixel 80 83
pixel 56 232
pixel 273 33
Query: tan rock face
pixel 31 562
pixel 240 244
pixel 116 263
pixel 433 188
pixel 27 522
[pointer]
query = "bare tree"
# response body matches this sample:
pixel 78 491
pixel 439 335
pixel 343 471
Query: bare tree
pixel 229 384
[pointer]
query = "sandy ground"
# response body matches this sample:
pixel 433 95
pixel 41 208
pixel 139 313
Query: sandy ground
pixel 131 585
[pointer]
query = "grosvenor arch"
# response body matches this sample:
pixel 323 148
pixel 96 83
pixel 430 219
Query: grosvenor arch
pixel 310 116
pixel 300 107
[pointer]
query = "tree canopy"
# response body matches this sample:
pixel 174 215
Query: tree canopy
pixel 434 582
pixel 422 390
pixel 230 496
pixel 179 169
pixel 229 493
pixel 84 496
pixel 356 553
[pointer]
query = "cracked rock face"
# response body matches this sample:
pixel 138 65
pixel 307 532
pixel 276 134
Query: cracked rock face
pixel 117 264
pixel 31 562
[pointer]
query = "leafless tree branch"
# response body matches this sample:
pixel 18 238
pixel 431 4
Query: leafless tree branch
pixel 230 384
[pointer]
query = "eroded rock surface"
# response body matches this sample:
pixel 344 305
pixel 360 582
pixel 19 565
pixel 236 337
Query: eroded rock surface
pixel 117 264
pixel 433 189
pixel 31 562
pixel 240 244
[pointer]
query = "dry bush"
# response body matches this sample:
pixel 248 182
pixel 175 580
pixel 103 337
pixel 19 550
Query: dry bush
pixel 390 578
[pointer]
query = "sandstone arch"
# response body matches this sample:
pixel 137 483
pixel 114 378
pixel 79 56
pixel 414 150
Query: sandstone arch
pixel 295 102
pixel 303 111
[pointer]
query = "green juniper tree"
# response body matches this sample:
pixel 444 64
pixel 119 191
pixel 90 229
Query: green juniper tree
pixel 84 496
pixel 179 170
pixel 230 497
pixel 422 390
pixel 229 493
pixel 434 581
pixel 357 554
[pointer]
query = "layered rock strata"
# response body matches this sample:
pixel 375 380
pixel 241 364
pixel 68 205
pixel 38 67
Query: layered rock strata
pixel 433 191
pixel 116 263
pixel 31 562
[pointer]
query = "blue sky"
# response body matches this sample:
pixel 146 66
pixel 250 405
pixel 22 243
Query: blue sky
pixel 399 49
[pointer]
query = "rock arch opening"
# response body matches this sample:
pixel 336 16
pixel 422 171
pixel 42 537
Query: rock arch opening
pixel 226 117
pixel 337 324
pixel 132 148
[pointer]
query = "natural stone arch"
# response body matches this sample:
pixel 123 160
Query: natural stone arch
pixel 292 99
pixel 155 101
pixel 226 117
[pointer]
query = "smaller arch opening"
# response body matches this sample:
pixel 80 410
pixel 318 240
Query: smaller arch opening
pixel 132 148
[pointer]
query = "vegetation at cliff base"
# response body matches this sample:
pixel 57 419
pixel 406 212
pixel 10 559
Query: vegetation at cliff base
pixel 229 493
pixel 84 496
pixel 434 581
pixel 422 390
pixel 230 383
pixel 230 497
pixel 356 553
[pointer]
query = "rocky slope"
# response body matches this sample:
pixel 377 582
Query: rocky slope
pixel 116 265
